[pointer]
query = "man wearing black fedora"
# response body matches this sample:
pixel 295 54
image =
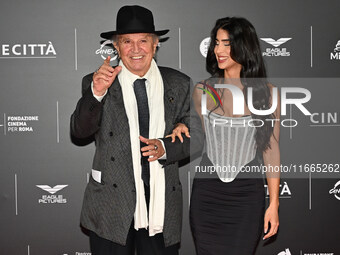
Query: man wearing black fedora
pixel 133 201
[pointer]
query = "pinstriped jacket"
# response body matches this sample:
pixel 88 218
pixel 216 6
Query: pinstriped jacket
pixel 109 206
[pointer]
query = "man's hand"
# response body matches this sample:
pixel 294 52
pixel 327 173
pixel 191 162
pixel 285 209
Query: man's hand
pixel 179 129
pixel 104 77
pixel 154 148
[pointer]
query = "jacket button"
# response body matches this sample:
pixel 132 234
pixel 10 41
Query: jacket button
pixel 133 190
pixel 114 185
pixel 111 134
pixel 112 159
pixel 173 188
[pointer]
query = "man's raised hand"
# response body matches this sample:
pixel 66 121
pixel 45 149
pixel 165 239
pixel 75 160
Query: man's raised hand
pixel 104 77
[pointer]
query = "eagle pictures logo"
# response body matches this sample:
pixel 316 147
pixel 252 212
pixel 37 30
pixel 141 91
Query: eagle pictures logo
pixel 51 198
pixel 276 51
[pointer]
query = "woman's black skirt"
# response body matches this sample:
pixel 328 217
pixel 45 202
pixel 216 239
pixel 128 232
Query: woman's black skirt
pixel 227 218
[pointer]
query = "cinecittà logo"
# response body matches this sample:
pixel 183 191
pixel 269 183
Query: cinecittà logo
pixel 284 191
pixel 325 119
pixel 276 52
pixel 52 199
pixel 30 50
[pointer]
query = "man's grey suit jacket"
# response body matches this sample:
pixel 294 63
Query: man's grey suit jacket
pixel 109 206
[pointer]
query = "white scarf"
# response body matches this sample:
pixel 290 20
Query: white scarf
pixel 155 93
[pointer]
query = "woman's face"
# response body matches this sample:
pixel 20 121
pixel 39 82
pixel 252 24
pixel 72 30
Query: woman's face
pixel 222 53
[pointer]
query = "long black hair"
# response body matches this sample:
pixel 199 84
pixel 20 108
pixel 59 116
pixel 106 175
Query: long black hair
pixel 245 50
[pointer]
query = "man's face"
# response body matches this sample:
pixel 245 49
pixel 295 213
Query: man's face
pixel 136 51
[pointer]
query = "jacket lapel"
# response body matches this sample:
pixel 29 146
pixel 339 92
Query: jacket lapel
pixel 117 118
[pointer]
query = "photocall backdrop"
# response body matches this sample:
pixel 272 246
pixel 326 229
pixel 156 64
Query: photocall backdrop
pixel 48 46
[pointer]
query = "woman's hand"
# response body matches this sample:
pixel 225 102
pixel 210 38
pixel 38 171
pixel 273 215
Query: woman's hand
pixel 272 216
pixel 178 130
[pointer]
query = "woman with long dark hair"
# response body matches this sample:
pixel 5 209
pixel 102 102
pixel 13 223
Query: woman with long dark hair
pixel 227 213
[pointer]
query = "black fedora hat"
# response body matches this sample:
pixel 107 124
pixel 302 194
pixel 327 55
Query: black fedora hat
pixel 134 19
